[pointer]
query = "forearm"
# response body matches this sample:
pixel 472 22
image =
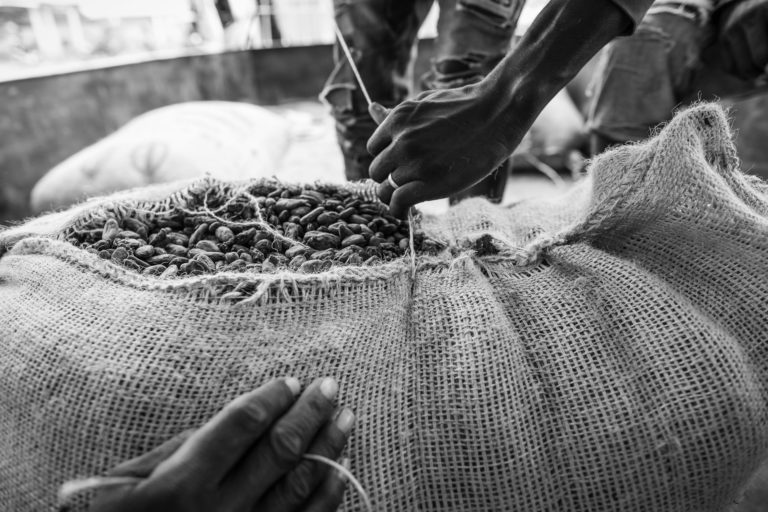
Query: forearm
pixel 562 39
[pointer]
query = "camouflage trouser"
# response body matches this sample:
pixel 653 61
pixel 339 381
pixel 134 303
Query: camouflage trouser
pixel 473 36
pixel 642 79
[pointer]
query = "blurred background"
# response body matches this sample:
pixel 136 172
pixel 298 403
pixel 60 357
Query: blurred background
pixel 78 77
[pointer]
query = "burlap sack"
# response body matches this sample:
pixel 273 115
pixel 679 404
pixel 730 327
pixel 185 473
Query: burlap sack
pixel 610 358
pixel 229 140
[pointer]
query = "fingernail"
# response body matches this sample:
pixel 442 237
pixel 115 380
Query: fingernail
pixel 329 388
pixel 293 384
pixel 345 420
pixel 345 462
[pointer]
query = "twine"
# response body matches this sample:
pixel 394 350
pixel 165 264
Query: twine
pixel 72 488
pixel 261 222
pixel 411 244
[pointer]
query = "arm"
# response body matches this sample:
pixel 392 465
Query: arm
pixel 445 141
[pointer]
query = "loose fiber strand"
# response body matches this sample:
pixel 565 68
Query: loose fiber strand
pixel 349 476
pixel 411 245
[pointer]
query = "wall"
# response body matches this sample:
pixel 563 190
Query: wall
pixel 46 119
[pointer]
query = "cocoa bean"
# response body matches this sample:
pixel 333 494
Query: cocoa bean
pixel 326 254
pixel 355 259
pixel 327 218
pixel 245 237
pixel 289 204
pixel 145 251
pixel 198 234
pixel 171 271
pixel 366 231
pixel 236 266
pixel 297 262
pixel 111 230
pixel 102 244
pixel 224 234
pixel 262 235
pixel 119 254
pixel 128 234
pixel 312 216
pixel 264 246
pixel 178 239
pixel 376 241
pixel 313 195
pixel 170 223
pixel 128 243
pixel 207 262
pixel 292 230
pixel 215 256
pixel 296 250
pixel 319 240
pixel 157 239
pixel 353 240
pixel 257 255
pixel 311 266
pixel 154 270
pixel 207 246
pixel 176 250
pixel 162 259
pixel 136 226
pixel 300 212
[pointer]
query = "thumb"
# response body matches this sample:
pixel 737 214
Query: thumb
pixel 144 465
pixel 406 196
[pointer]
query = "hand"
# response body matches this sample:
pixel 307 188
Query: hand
pixel 440 143
pixel 247 458
pixel 743 38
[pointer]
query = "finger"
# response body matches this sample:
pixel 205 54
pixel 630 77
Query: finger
pixel 219 444
pixel 382 165
pixel 298 485
pixel 380 139
pixel 144 465
pixel 281 450
pixel 328 496
pixel 384 191
pixel 406 196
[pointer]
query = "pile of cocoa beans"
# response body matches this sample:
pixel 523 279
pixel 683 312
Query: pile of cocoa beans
pixel 266 229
